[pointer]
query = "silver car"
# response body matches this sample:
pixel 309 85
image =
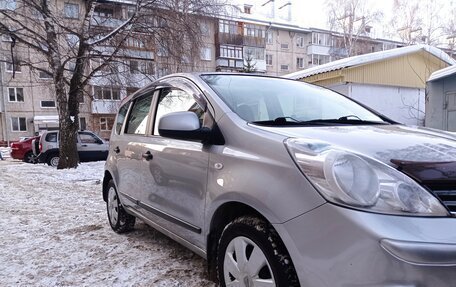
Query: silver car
pixel 281 183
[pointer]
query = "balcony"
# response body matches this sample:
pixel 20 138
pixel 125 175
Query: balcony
pixel 230 63
pixel 260 65
pixel 128 53
pixel 229 39
pixel 317 49
pixel 254 41
pixel 106 22
pixel 105 106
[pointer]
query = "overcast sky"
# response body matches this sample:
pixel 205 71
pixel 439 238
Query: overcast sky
pixel 313 13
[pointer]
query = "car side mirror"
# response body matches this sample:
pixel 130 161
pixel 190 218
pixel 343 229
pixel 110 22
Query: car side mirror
pixel 182 125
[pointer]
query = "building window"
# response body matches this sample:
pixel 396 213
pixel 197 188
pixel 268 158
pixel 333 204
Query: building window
pixel 320 59
pixel 82 124
pixel 7 4
pixel 321 39
pixel 13 68
pixel 45 75
pixel 247 9
pixel 6 38
pixel 231 52
pixel 16 94
pixel 204 28
pixel 229 27
pixel 206 54
pixel 136 43
pixel 254 53
pixel 269 59
pixel 106 93
pixel 104 12
pixel 18 124
pixel 141 67
pixel 284 45
pixel 162 71
pixel 72 40
pixel 299 62
pixel 300 42
pixel 106 124
pixel 253 30
pixel 48 104
pixel 269 37
pixel 284 67
pixel 71 10
pixel 162 51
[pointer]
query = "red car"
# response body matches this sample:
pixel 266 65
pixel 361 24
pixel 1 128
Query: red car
pixel 23 150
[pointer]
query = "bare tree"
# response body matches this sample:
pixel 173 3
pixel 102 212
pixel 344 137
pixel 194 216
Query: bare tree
pixel 353 19
pixel 416 21
pixel 65 39
pixel 449 29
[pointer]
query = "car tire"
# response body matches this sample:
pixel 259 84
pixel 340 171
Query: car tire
pixel 53 160
pixel 119 219
pixel 29 157
pixel 264 257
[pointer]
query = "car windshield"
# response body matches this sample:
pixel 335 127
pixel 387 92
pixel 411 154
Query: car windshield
pixel 264 100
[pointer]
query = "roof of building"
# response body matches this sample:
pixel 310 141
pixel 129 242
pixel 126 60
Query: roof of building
pixel 442 73
pixel 370 58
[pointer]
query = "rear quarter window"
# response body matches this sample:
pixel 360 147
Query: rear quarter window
pixel 51 137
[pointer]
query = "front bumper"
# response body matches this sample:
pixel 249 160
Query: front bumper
pixel 335 246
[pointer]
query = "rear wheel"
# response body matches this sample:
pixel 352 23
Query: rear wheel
pixel 53 160
pixel 250 253
pixel 29 157
pixel 119 219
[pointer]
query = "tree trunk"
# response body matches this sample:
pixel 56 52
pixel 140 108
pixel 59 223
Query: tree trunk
pixel 68 124
pixel 69 157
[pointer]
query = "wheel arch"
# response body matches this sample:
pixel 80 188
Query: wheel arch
pixel 224 214
pixel 106 178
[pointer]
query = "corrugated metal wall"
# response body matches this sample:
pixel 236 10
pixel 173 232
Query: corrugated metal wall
pixel 407 71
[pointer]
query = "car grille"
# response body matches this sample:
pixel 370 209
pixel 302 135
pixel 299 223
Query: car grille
pixel 438 177
pixel 448 197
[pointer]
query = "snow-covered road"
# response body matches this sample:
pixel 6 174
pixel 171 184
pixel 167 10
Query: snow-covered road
pixel 54 232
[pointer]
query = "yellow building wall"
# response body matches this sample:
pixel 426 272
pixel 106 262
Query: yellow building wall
pixel 410 70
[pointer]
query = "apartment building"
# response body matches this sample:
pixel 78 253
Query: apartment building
pixel 27 98
pixel 266 45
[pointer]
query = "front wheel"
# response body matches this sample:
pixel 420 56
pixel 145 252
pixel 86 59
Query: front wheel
pixel 119 219
pixel 250 253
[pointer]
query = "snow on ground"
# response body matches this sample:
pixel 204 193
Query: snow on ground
pixel 54 232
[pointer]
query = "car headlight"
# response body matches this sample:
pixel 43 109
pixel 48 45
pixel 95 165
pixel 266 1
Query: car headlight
pixel 357 181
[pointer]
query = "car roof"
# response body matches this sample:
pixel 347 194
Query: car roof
pixel 194 76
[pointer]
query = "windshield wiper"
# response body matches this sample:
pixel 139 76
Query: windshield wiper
pixel 345 120
pixel 289 121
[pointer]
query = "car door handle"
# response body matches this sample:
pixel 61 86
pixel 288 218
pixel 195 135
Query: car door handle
pixel 116 149
pixel 147 155
pixel 84 145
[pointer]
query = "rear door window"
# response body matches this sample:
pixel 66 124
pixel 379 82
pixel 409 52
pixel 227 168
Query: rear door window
pixel 121 118
pixel 88 138
pixel 139 115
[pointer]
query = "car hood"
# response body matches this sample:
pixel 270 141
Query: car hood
pixel 382 142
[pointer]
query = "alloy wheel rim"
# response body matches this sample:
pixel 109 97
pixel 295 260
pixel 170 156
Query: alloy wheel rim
pixel 113 207
pixel 54 161
pixel 245 265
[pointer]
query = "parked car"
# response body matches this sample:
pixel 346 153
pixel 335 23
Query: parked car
pixel 22 150
pixel 281 183
pixel 90 147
